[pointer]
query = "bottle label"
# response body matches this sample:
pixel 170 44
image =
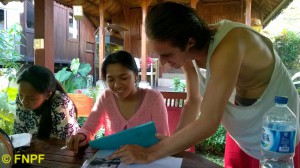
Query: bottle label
pixel 278 141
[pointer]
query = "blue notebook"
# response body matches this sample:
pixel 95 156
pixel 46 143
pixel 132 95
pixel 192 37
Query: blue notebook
pixel 143 135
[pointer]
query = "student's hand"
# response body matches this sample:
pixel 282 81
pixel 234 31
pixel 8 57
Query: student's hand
pixel 161 137
pixel 76 141
pixel 130 154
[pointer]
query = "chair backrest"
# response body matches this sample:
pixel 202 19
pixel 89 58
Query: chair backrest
pixel 174 99
pixel 174 102
pixel 83 103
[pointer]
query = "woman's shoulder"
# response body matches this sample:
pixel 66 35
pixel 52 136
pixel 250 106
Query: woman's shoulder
pixel 60 96
pixel 151 93
pixel 105 95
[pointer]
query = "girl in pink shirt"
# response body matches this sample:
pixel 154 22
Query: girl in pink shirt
pixel 123 105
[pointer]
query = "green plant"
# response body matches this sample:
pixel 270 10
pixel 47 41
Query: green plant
pixel 287 44
pixel 10 39
pixel 177 85
pixel 7 109
pixel 215 144
pixel 76 78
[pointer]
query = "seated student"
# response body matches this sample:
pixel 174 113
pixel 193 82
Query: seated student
pixel 43 107
pixel 123 105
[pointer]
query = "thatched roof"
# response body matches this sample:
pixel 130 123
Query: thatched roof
pixel 268 9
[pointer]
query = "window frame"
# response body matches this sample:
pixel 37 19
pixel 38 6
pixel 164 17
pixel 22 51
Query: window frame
pixel 68 27
pixel 4 18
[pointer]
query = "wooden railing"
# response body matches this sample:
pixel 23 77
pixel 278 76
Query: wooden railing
pixel 174 102
pixel 174 99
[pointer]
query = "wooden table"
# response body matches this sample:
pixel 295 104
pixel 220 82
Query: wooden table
pixel 56 157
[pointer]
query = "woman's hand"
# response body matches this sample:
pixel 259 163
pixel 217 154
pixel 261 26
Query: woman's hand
pixel 129 154
pixel 76 141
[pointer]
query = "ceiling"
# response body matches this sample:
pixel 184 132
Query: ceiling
pixel 269 9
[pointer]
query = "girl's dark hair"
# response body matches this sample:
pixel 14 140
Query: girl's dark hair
pixel 122 57
pixel 43 81
pixel 176 23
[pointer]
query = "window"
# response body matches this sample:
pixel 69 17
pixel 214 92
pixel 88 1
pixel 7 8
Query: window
pixel 30 14
pixel 2 19
pixel 73 27
pixel 89 47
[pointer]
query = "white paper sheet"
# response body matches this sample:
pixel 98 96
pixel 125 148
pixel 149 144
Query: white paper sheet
pixel 98 160
pixel 22 139
pixel 167 162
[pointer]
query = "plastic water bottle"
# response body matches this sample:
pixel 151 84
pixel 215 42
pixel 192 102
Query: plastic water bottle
pixel 278 136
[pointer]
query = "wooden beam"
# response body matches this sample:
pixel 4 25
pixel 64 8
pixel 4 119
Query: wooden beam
pixel 248 12
pixel 220 3
pixel 101 36
pixel 44 29
pixel 144 4
pixel 194 3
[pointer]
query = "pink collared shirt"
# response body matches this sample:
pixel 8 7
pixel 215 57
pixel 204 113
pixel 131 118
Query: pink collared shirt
pixel 105 113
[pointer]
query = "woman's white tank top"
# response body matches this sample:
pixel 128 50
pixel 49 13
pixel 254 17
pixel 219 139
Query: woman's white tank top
pixel 244 124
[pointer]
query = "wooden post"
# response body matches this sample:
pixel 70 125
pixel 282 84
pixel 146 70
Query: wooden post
pixel 44 29
pixel 248 13
pixel 101 36
pixel 144 4
pixel 194 3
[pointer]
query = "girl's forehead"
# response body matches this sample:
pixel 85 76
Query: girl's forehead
pixel 26 88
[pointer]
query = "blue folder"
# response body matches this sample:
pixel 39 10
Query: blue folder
pixel 143 135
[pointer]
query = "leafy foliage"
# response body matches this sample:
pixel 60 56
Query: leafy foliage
pixel 177 85
pixel 215 144
pixel 10 39
pixel 287 44
pixel 7 109
pixel 76 78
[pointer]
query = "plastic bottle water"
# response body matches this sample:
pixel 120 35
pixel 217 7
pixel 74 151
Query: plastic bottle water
pixel 278 136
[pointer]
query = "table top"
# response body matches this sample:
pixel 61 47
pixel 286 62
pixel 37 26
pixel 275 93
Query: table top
pixel 56 156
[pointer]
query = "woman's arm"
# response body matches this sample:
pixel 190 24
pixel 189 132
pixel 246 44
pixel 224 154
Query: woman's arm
pixel 94 121
pixel 191 106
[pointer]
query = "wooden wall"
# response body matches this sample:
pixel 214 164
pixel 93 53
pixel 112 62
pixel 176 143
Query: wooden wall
pixel 65 49
pixel 87 41
pixel 213 12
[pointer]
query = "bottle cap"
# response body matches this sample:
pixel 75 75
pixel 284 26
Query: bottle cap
pixel 281 100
